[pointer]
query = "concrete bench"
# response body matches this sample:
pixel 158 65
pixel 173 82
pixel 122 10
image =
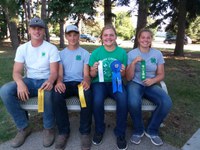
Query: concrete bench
pixel 73 103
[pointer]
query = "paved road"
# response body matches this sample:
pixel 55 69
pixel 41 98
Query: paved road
pixel 160 44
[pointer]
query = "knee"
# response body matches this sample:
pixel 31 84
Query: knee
pixel 167 104
pixel 5 91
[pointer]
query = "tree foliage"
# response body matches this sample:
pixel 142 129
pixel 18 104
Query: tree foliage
pixel 124 25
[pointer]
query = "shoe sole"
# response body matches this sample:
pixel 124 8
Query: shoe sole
pixel 96 143
pixel 135 142
pixel 138 141
pixel 147 135
pixel 123 148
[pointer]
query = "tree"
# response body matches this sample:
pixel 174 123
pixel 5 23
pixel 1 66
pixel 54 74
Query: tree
pixel 61 9
pixel 142 17
pixel 181 29
pixel 44 17
pixel 181 12
pixel 123 25
pixel 10 9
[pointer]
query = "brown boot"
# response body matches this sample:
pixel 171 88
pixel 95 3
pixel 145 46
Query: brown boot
pixel 85 142
pixel 61 141
pixel 48 137
pixel 21 137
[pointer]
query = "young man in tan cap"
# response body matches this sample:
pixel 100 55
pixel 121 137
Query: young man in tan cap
pixel 40 59
pixel 73 71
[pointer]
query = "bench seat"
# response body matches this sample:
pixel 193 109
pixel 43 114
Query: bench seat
pixel 73 103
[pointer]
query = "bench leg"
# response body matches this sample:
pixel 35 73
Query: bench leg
pixel 27 116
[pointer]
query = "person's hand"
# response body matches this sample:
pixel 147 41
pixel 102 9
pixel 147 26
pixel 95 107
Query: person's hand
pixel 47 85
pixel 85 84
pixel 137 59
pixel 95 67
pixel 60 87
pixel 149 82
pixel 22 91
pixel 122 68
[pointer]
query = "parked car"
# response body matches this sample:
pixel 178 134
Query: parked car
pixel 84 38
pixel 133 39
pixel 170 40
pixel 87 38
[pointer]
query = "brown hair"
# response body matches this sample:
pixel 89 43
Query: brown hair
pixel 144 30
pixel 108 26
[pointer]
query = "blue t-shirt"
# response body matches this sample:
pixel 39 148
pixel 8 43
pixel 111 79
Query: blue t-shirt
pixel 73 62
pixel 153 58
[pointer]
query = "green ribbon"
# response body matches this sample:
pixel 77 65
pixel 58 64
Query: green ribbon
pixel 143 70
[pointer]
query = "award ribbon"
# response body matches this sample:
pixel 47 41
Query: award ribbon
pixel 40 100
pixel 143 70
pixel 100 71
pixel 81 96
pixel 116 76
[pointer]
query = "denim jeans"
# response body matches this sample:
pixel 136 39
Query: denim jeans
pixel 9 97
pixel 61 112
pixel 102 90
pixel 154 94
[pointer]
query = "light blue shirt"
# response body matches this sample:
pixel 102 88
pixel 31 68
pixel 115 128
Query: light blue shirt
pixel 153 58
pixel 73 62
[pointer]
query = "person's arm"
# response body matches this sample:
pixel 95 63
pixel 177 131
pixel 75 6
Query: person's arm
pixel 130 70
pixel 60 86
pixel 48 84
pixel 22 90
pixel 160 74
pixel 86 77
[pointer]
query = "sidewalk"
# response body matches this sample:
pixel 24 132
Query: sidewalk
pixel 34 141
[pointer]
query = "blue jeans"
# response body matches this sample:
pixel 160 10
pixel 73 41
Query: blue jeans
pixel 61 112
pixel 154 94
pixel 9 97
pixel 102 90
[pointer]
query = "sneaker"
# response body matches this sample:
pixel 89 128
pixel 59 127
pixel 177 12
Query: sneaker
pixel 85 142
pixel 61 141
pixel 136 139
pixel 121 143
pixel 97 139
pixel 21 137
pixel 48 137
pixel 155 139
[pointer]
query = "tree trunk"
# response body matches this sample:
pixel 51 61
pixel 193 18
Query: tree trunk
pixel 181 29
pixel 44 17
pixel 107 12
pixel 62 43
pixel 142 18
pixel 12 26
pixel 13 34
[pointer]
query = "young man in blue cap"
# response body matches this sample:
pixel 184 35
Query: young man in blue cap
pixel 40 59
pixel 73 72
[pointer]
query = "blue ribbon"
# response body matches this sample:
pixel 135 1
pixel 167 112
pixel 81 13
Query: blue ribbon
pixel 116 76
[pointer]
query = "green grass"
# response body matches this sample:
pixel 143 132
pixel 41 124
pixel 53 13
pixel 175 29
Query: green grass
pixel 182 79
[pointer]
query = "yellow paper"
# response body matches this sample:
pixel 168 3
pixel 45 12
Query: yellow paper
pixel 40 100
pixel 81 96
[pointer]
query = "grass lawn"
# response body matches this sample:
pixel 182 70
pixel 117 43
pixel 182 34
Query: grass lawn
pixel 182 79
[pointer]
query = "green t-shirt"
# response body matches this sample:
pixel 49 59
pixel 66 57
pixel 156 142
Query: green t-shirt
pixel 107 58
